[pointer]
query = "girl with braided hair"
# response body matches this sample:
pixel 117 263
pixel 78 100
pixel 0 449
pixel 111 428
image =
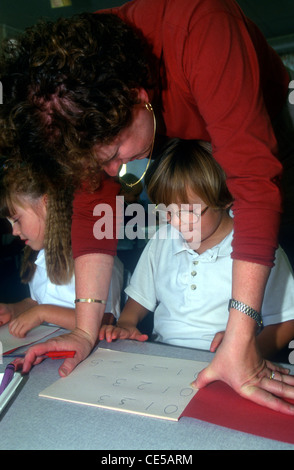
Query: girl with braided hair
pixel 40 214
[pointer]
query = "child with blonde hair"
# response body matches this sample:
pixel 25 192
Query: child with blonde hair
pixel 184 275
pixel 40 213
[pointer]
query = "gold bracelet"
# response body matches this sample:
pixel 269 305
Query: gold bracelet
pixel 89 301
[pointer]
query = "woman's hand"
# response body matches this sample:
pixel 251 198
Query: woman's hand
pixel 238 361
pixel 111 333
pixel 77 341
pixel 250 376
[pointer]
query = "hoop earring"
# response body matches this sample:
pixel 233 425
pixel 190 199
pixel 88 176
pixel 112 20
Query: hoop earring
pixel 149 108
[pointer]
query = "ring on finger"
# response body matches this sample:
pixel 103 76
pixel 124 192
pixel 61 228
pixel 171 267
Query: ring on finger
pixel 272 376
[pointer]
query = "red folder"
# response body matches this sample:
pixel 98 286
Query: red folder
pixel 219 404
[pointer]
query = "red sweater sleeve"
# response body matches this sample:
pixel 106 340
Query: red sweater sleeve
pixel 94 219
pixel 226 85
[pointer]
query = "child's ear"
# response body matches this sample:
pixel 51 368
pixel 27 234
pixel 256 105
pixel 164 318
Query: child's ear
pixel 45 199
pixel 229 209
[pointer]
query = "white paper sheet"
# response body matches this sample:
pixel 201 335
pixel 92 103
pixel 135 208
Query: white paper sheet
pixel 134 383
pixel 9 342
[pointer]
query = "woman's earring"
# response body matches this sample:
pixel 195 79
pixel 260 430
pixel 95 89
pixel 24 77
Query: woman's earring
pixel 149 107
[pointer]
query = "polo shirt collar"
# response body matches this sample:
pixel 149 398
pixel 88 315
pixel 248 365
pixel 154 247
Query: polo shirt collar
pixel 179 245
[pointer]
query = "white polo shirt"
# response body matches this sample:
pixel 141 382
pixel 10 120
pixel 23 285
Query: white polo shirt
pixel 44 291
pixel 189 293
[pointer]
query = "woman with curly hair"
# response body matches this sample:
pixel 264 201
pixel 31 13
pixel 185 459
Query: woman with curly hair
pixel 95 90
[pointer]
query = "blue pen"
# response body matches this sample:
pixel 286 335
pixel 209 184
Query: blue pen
pixel 8 376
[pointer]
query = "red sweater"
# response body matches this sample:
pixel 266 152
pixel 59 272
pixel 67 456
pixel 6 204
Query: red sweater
pixel 85 236
pixel 222 81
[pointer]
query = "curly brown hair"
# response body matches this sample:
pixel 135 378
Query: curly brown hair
pixel 20 183
pixel 68 85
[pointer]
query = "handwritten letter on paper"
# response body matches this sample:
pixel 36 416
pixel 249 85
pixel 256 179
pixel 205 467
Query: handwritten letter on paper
pixel 134 383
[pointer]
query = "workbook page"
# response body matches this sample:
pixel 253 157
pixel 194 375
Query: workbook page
pixel 133 383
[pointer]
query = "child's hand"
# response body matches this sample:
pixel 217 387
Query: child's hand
pixel 110 333
pixel 26 321
pixel 217 341
pixel 6 313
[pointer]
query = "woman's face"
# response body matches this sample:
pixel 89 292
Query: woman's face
pixel 133 143
pixel 28 222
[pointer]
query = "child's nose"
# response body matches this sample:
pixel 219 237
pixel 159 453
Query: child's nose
pixel 15 230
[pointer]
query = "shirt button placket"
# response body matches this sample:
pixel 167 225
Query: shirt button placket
pixel 193 274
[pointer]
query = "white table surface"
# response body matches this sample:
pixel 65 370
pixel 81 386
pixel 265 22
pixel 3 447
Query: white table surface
pixel 34 423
